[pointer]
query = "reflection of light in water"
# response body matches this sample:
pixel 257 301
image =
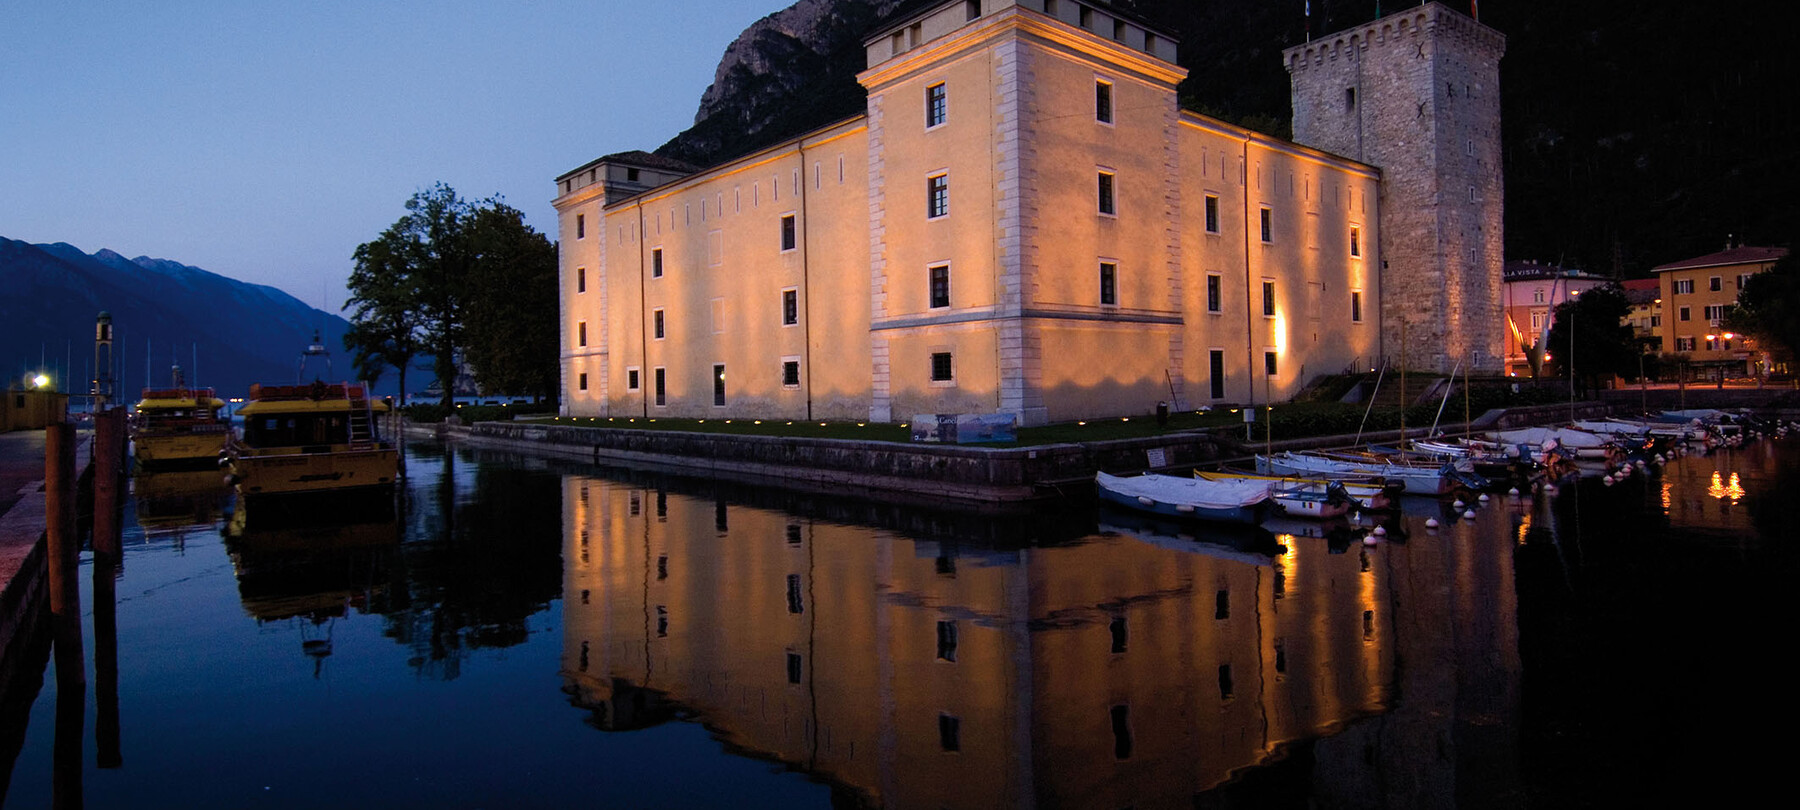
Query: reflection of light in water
pixel 1721 490
pixel 1524 528
pixel 1667 496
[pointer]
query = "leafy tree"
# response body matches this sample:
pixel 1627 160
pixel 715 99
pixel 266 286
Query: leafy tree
pixel 1604 346
pixel 384 328
pixel 458 280
pixel 511 292
pixel 1768 307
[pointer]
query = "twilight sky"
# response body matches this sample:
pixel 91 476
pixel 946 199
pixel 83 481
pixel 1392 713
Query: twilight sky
pixel 264 141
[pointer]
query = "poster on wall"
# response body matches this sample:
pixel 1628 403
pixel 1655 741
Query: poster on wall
pixel 963 428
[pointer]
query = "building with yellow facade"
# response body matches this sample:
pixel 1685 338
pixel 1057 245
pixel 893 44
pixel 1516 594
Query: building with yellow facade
pixel 1023 221
pixel 1695 294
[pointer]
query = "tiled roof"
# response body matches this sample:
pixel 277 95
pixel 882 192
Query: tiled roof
pixel 1742 254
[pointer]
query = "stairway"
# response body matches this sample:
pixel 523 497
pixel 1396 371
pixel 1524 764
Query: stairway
pixel 362 421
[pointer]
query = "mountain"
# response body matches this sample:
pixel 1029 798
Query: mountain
pixel 167 311
pixel 1634 135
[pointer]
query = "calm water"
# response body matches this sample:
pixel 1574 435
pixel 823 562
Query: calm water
pixel 530 633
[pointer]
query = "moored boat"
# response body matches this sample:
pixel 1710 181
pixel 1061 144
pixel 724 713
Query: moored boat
pixel 1178 497
pixel 1297 497
pixel 178 427
pixel 312 438
pixel 1418 479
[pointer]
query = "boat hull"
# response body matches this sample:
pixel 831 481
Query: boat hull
pixel 270 474
pixel 1121 492
pixel 169 451
pixel 1413 481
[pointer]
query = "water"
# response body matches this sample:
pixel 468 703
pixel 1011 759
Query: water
pixel 530 633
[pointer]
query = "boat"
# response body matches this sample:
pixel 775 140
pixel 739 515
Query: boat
pixel 1372 492
pixel 1189 497
pixel 1580 442
pixel 178 427
pixel 310 438
pixel 1418 479
pixel 1298 497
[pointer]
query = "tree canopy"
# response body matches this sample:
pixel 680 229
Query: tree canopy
pixel 1603 345
pixel 1768 307
pixel 463 281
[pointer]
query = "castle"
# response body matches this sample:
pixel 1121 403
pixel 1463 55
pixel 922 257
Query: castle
pixel 1024 221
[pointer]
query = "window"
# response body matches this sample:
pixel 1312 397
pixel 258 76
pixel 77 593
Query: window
pixel 1682 314
pixel 1715 313
pixel 787 232
pixel 1106 194
pixel 1269 364
pixel 794 603
pixel 1714 284
pixel 718 385
pixel 656 264
pixel 580 226
pixel 1537 321
pixel 1267 225
pixel 631 379
pixel 657 319
pixel 1108 283
pixel 581 279
pixel 1103 109
pixel 631 175
pixel 1743 278
pixel 1356 306
pixel 1684 286
pixel 581 333
pixel 1216 367
pixel 936 105
pixel 793 667
pixel 1537 296
pixel 1349 99
pixel 941 370
pixel 1121 729
pixel 1355 241
pixel 1684 344
pixel 940 286
pixel 660 377
pixel 973 8
pixel 581 381
pixel 1212 213
pixel 937 196
pixel 790 307
pixel 949 733
pixel 1214 299
pixel 946 641
pixel 1121 634
pixel 1268 298
pixel 790 373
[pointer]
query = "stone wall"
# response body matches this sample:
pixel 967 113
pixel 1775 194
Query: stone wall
pixel 1416 93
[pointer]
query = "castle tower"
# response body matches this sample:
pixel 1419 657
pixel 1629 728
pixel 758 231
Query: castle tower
pixel 1417 94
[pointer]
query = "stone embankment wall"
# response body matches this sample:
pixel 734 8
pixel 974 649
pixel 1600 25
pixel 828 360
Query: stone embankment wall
pixel 978 474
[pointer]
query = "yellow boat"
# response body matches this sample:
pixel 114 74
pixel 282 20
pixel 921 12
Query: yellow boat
pixel 179 427
pixel 313 438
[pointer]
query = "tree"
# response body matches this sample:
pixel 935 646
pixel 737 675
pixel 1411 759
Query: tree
pixel 1604 345
pixel 384 328
pixel 1768 307
pixel 459 280
pixel 511 292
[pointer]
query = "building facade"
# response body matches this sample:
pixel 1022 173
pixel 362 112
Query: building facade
pixel 1530 292
pixel 1696 292
pixel 1645 318
pixel 1023 221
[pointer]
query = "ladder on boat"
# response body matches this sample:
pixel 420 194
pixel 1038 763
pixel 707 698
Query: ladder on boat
pixel 362 420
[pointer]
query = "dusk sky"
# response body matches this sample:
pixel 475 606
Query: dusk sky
pixel 265 141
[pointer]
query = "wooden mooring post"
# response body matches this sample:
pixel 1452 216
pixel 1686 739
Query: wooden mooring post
pixel 63 549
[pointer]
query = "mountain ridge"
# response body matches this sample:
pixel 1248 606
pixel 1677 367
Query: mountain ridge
pixel 164 311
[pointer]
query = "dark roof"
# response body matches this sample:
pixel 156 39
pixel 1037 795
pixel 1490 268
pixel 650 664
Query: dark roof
pixel 636 157
pixel 1742 254
pixel 906 12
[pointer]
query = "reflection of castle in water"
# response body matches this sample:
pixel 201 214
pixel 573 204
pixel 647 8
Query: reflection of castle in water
pixel 1112 672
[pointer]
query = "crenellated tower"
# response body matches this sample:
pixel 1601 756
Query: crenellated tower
pixel 1417 94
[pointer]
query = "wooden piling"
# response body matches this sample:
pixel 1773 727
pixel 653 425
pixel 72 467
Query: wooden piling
pixel 109 469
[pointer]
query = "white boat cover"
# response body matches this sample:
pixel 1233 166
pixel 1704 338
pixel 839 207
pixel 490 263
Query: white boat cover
pixel 1536 436
pixel 1197 492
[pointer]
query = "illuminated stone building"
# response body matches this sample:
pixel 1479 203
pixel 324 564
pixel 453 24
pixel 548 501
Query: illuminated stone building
pixel 1022 221
pixel 1696 293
